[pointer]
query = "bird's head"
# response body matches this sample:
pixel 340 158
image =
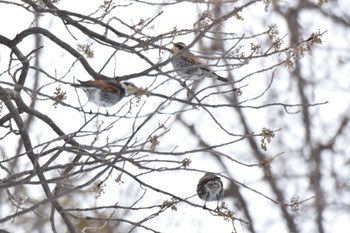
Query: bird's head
pixel 129 88
pixel 177 47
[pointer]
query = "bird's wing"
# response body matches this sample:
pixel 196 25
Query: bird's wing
pixel 107 85
pixel 111 86
pixel 195 60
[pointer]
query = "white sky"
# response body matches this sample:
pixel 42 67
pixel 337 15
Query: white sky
pixel 183 184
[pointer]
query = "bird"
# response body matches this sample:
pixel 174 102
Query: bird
pixel 106 93
pixel 210 188
pixel 189 66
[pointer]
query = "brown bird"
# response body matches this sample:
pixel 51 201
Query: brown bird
pixel 189 66
pixel 106 93
pixel 210 188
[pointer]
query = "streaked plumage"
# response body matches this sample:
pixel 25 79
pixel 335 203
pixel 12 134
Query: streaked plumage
pixel 106 93
pixel 189 66
pixel 210 188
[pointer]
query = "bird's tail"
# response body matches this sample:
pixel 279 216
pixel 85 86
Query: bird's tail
pixel 75 85
pixel 222 79
pixel 81 83
pixel 215 75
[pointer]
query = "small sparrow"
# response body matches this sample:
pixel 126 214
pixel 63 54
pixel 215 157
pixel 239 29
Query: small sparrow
pixel 106 93
pixel 189 66
pixel 210 188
